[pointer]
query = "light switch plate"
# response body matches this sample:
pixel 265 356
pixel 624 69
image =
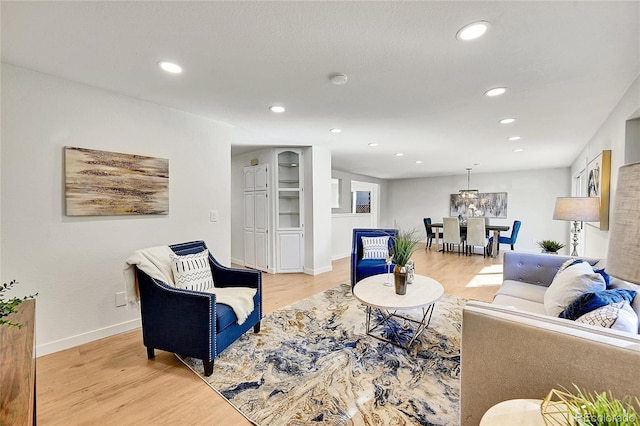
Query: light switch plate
pixel 213 215
pixel 120 299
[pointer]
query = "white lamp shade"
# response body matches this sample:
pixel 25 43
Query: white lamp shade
pixel 623 259
pixel 582 209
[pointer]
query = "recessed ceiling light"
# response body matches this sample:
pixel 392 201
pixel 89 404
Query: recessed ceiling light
pixel 518 150
pixel 399 154
pixel 373 144
pixel 338 79
pixel 276 108
pixel 335 130
pixel 473 30
pixel 496 91
pixel 507 120
pixel 418 161
pixel 170 67
pixel 514 138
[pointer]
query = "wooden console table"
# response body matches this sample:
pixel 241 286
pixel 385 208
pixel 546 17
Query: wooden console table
pixel 18 368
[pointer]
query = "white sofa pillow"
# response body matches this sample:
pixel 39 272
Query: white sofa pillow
pixel 375 247
pixel 569 283
pixel 192 271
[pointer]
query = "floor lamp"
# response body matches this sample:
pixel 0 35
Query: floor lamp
pixel 623 259
pixel 577 209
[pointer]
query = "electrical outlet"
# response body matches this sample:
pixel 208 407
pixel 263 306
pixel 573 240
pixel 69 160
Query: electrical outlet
pixel 120 299
pixel 213 215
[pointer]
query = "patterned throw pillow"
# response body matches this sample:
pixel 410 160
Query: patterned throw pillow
pixel 375 247
pixel 603 317
pixel 192 271
pixel 617 316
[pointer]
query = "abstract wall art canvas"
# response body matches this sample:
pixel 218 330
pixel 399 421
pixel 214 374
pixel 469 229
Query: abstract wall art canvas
pixel 101 183
pixel 490 204
pixel 598 180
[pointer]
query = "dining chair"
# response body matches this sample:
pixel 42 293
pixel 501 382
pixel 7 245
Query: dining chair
pixel 476 235
pixel 430 232
pixel 511 240
pixel 451 233
pixel 462 221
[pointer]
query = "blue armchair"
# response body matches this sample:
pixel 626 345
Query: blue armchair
pixel 362 268
pixel 508 240
pixel 191 323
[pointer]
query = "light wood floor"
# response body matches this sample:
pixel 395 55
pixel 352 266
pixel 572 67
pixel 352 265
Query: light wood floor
pixel 110 381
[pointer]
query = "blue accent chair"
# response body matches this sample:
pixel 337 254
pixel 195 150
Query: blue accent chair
pixel 191 323
pixel 508 240
pixel 362 268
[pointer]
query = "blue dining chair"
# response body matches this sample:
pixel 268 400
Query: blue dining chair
pixel 430 232
pixel 508 240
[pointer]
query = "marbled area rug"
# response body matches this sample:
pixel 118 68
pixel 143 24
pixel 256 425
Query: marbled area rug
pixel 312 363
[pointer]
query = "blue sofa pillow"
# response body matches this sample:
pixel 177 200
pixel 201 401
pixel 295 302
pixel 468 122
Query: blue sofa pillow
pixel 607 278
pixel 590 301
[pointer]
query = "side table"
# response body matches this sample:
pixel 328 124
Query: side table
pixel 514 412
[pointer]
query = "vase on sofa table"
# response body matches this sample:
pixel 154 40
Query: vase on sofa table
pixel 400 279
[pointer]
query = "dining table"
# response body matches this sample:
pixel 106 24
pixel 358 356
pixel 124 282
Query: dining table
pixel 463 228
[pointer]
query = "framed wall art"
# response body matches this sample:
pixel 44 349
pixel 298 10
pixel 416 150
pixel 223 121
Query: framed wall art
pixel 598 181
pixel 490 204
pixel 102 183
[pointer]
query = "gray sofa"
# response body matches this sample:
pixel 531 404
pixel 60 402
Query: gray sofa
pixel 511 349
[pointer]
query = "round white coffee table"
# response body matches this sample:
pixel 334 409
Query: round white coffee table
pixel 383 305
pixel 514 412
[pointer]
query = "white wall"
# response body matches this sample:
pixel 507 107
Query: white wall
pixel 611 135
pixel 75 263
pixel 343 221
pixel 318 232
pixel 531 199
pixel 342 225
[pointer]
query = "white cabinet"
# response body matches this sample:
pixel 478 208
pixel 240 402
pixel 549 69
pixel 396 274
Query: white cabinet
pixel 256 217
pixel 290 248
pixel 282 249
pixel 289 211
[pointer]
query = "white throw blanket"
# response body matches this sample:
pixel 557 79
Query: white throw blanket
pixel 156 262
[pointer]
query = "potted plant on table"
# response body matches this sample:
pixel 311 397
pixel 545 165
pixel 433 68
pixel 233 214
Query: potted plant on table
pixel 563 407
pixel 9 306
pixel 550 246
pixel 403 245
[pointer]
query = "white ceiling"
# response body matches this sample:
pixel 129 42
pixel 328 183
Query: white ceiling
pixel 412 88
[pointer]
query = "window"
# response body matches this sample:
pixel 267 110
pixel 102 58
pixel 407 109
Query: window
pixel 335 193
pixel 361 202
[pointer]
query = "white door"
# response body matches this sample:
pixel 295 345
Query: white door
pixel 249 178
pixel 261 230
pixel 256 217
pixel 249 229
pixel 260 178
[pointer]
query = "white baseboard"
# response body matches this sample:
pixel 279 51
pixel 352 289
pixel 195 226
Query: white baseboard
pixel 340 256
pixel 318 271
pixel 237 261
pixel 90 336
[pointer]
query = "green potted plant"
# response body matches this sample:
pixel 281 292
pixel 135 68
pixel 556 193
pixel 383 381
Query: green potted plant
pixel 403 245
pixel 550 246
pixel 9 306
pixel 563 407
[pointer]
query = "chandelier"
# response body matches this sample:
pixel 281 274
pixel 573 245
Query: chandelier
pixel 468 193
